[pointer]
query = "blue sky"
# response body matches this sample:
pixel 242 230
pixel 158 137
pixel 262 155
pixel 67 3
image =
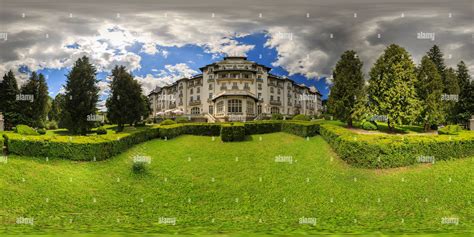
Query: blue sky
pixel 193 56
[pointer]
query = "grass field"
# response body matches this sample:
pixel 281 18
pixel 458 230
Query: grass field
pixel 211 187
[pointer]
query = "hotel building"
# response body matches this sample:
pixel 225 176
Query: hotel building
pixel 234 89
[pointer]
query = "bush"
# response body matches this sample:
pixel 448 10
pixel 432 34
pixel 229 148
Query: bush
pixel 182 120
pixel 386 151
pixel 51 125
pixel 101 131
pixel 369 125
pixel 302 129
pixel 232 133
pixel 167 122
pixel 327 117
pixel 260 127
pixel 450 130
pixel 139 167
pixel 277 117
pixel 301 117
pixel 25 130
pixel 41 131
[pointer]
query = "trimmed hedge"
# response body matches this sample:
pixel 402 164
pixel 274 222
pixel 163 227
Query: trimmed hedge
pixel 202 129
pixel 386 151
pixel 302 129
pixel 261 127
pixel 78 147
pixel 25 130
pixel 232 132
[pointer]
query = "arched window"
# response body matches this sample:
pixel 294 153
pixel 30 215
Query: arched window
pixel 234 106
pixel 275 110
pixel 195 110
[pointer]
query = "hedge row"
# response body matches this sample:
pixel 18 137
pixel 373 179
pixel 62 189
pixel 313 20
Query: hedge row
pixel 232 132
pixel 386 151
pixel 202 129
pixel 299 128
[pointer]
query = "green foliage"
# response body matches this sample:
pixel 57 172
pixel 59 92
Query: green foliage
pixel 465 105
pixel 369 125
pixel 302 129
pixel 386 151
pixel 232 132
pixel 101 131
pixel 436 56
pixel 451 88
pixel 392 87
pixel 41 131
pixel 51 125
pixel 125 105
pixel 429 88
pixel 348 87
pixel 139 167
pixel 34 111
pixel 202 129
pixel 450 130
pixel 182 120
pixel 81 97
pixel 261 127
pixel 277 117
pixel 167 122
pixel 301 117
pixel 25 130
pixel 57 107
pixel 9 106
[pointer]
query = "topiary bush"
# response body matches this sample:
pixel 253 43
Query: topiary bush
pixel 261 127
pixel 101 131
pixel 41 131
pixel 182 120
pixel 167 122
pixel 25 130
pixel 51 125
pixel 232 132
pixel 450 130
pixel 369 125
pixel 301 117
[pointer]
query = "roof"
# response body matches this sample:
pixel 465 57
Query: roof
pixel 235 93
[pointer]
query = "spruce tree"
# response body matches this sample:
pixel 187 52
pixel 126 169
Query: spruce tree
pixel 465 105
pixel 126 104
pixel 451 90
pixel 348 87
pixel 436 57
pixel 81 97
pixel 429 89
pixel 28 91
pixel 392 87
pixel 8 103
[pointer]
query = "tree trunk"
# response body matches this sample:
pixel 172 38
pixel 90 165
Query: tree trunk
pixel 349 123
pixel 390 129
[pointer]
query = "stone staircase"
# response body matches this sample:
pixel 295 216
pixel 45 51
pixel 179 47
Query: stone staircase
pixel 210 118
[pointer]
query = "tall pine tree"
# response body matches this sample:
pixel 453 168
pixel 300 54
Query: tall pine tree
pixel 126 104
pixel 392 87
pixel 436 57
pixel 82 95
pixel 348 86
pixel 465 105
pixel 8 103
pixel 429 89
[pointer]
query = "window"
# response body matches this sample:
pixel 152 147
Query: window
pixel 211 109
pixel 246 75
pixel 210 76
pixel 234 85
pixel 234 106
pixel 271 90
pixel 220 107
pixel 210 86
pixel 271 98
pixel 259 95
pixel 259 86
pixel 210 69
pixel 279 91
pixel 275 110
pixel 199 98
pixel 198 90
pixel 278 98
pixel 195 110
pixel 210 95
pixel 250 107
pixel 259 109
pixel 191 91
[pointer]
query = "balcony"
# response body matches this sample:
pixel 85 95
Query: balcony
pixel 275 102
pixel 194 102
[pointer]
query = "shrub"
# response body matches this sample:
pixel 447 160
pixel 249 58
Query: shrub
pixel 260 127
pixel 139 167
pixel 41 131
pixel 51 125
pixel 167 122
pixel 101 131
pixel 369 125
pixel 232 133
pixel 182 120
pixel 386 151
pixel 302 129
pixel 140 124
pixel 450 130
pixel 277 117
pixel 327 117
pixel 301 117
pixel 25 130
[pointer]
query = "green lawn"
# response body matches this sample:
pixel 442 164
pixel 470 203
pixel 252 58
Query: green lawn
pixel 212 187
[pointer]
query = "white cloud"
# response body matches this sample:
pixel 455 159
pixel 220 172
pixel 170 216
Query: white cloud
pixel 167 76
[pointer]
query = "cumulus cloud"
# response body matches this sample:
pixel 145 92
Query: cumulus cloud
pixel 167 76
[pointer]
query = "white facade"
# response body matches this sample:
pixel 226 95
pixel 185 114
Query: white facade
pixel 235 89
